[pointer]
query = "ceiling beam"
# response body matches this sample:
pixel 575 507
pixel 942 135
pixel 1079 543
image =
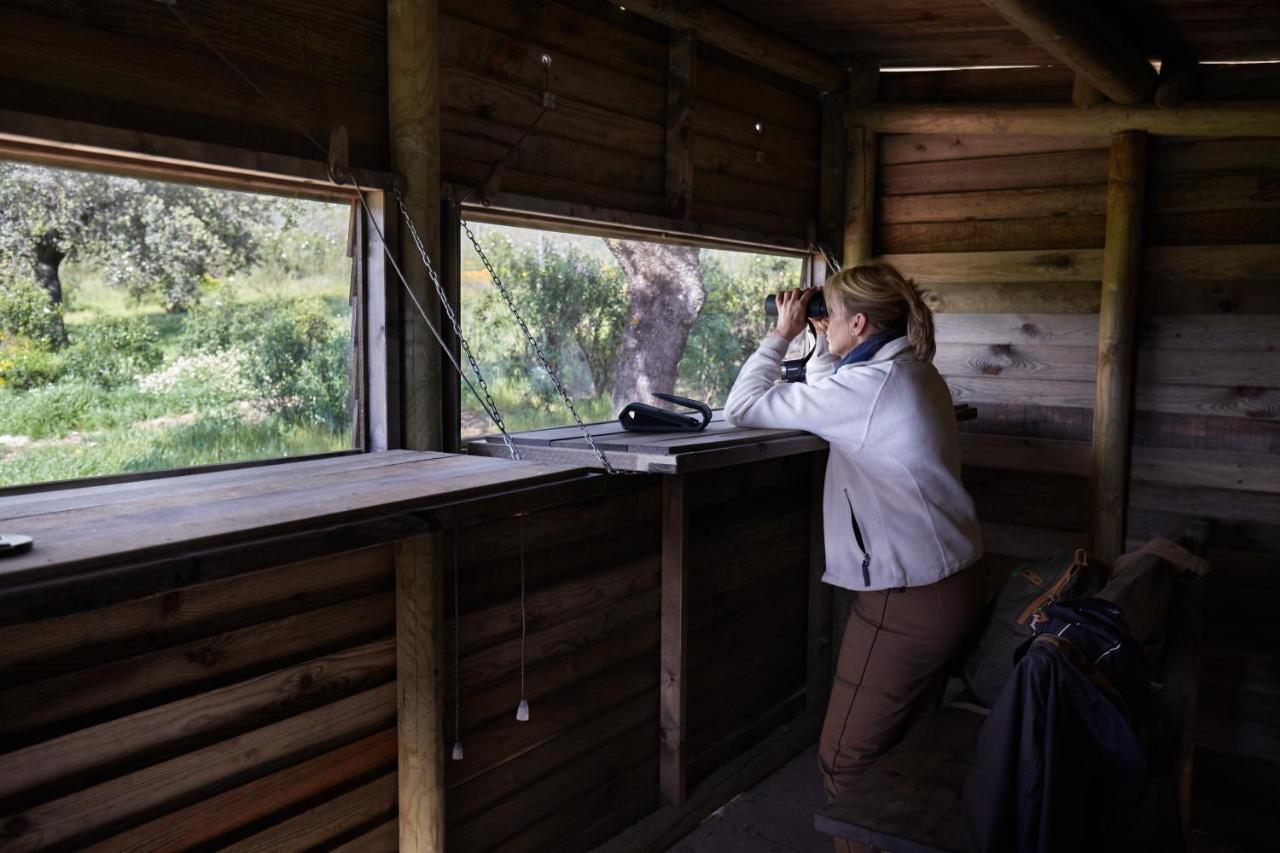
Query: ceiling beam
pixel 1086 40
pixel 1193 118
pixel 743 38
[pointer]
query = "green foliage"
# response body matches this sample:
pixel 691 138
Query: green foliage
pixel 574 303
pixel 150 238
pixel 27 311
pixel 111 351
pixel 25 365
pixel 299 361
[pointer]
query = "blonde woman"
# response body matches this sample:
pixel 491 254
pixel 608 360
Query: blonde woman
pixel 900 528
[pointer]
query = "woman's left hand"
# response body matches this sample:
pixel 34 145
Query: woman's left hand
pixel 793 306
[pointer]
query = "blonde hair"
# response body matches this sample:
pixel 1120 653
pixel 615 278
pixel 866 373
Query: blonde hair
pixel 889 301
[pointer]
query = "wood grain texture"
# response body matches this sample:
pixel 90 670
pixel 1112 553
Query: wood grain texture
pixel 419 693
pixel 673 689
pixel 177 782
pixel 681 57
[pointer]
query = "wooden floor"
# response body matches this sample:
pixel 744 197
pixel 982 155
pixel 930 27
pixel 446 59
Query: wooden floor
pixel 775 816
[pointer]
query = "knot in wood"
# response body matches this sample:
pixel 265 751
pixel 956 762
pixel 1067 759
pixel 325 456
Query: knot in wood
pixel 1029 330
pixel 203 657
pixel 170 603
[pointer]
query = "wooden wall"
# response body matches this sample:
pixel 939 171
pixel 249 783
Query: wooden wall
pixel 130 64
pixel 748 588
pixel 1005 233
pixel 1207 444
pixel 258 712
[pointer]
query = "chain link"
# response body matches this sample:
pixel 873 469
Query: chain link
pixel 491 407
pixel 546 365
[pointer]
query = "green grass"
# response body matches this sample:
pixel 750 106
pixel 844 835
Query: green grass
pixel 132 449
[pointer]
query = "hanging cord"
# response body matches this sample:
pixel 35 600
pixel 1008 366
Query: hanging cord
pixel 522 710
pixel 457 668
pixel 486 402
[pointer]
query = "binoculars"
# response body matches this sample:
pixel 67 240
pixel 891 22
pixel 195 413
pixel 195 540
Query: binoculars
pixel 817 308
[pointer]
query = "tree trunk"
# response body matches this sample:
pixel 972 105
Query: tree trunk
pixel 48 259
pixel 665 294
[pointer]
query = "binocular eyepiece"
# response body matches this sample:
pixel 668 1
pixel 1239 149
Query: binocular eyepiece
pixel 816 310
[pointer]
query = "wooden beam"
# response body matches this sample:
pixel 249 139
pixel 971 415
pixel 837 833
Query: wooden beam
pixel 672 687
pixel 413 101
pixel 735 34
pixel 1226 119
pixel 860 168
pixel 681 62
pixel 420 693
pixel 1117 332
pixel 1086 41
pixel 830 225
pixel 1083 95
pixel 1178 78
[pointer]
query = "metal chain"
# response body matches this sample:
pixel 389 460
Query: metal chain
pixel 491 407
pixel 546 365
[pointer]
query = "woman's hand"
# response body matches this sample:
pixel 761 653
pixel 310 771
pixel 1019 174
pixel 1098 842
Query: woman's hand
pixel 792 308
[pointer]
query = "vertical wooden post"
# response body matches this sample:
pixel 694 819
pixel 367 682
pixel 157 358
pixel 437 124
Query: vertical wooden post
pixel 1083 95
pixel 382 325
pixel 860 169
pixel 1113 406
pixel 681 64
pixel 420 693
pixel 818 650
pixel 831 182
pixel 672 687
pixel 413 104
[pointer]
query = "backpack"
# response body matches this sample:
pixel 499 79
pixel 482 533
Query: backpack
pixel 1011 618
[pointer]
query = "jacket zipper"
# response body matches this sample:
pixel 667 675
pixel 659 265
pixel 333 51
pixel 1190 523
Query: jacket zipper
pixel 857 535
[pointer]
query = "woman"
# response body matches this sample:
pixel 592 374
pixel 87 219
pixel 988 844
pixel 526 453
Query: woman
pixel 900 529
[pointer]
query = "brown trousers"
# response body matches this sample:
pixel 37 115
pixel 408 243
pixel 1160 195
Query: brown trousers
pixel 891 665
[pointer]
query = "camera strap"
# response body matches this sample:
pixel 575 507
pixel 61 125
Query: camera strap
pixel 794 369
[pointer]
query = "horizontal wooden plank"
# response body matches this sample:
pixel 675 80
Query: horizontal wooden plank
pixel 177 781
pixel 1183 156
pixel 204 821
pixel 1017 361
pixel 565 783
pixel 1017 171
pixel 1068 330
pixel 384 838
pixel 1083 265
pixel 1035 203
pixel 1189 266
pixel 1019 453
pixel 899 148
pixel 1250 225
pixel 1227 504
pixel 330 819
pixel 1254 472
pixel 1081 298
pixel 37 650
pixel 992 235
pixel 1210 332
pixel 126 682
pixel 1238 297
pixel 1239 401
pixel 1208 367
pixel 236 707
pixel 1027 542
pixel 480 629
pixel 1041 392
pixel 1051 83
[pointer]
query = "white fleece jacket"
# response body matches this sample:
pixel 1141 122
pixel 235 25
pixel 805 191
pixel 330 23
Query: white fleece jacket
pixel 895 512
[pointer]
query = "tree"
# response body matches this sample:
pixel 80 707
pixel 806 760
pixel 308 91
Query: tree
pixel 151 238
pixel 664 295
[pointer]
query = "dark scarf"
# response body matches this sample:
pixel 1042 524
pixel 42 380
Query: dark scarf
pixel 868 348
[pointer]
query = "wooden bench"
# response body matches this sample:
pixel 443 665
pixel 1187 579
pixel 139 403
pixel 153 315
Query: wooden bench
pixel 909 801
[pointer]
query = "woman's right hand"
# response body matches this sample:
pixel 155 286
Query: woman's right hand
pixel 793 306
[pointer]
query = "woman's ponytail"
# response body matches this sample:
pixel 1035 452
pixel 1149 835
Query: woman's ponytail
pixel 889 301
pixel 919 320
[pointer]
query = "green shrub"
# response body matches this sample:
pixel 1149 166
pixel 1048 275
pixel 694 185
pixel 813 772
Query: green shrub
pixel 27 311
pixel 24 365
pixel 111 351
pixel 217 322
pixel 298 361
